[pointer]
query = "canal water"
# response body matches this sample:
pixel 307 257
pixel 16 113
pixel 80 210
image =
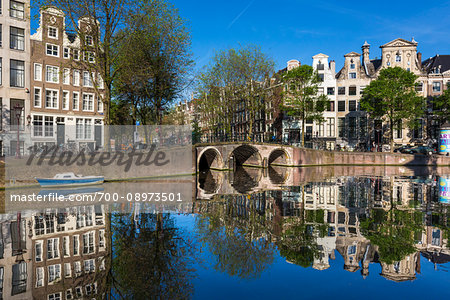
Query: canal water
pixel 278 233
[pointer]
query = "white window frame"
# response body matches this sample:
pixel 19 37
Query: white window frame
pixel 40 277
pixel 67 270
pixel 101 82
pixel 100 103
pixel 66 76
pixel 56 32
pixel 88 82
pixel 76 245
pixel 57 270
pixel 77 55
pixel 47 76
pixel 34 96
pixel 66 246
pixel 54 248
pixel 77 268
pixel 66 52
pixel 87 38
pixel 52 50
pixel 89 266
pixel 57 98
pixel 39 258
pixel 76 81
pixel 77 106
pixel 90 247
pixel 89 103
pixel 37 75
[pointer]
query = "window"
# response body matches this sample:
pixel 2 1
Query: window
pixel 69 295
pixel 1 81
pixel 17 69
pixel 66 246
pixel 52 50
pixel 65 103
pixel 361 89
pixel 38 247
pixel 52 248
pixel 52 32
pixel 89 40
pixel 330 127
pixel 330 106
pixel 37 72
pixel 352 91
pixel 436 87
pixel 76 77
pixel 54 273
pixel 87 79
pixel 352 75
pixel 51 98
pixel 37 97
pixel 321 77
pixel 52 74
pixel 88 102
pixel 79 292
pixel 341 127
pixel 88 243
pixel 40 277
pixel 76 245
pixel 321 129
pixel 419 86
pixel 87 133
pixel 19 278
pixel 330 91
pixel 55 296
pixel 352 66
pixel 101 83
pixel 320 91
pixel 351 127
pixel 320 66
pixel 101 239
pixel 79 129
pixel 76 54
pixel 91 289
pixel 75 101
pixel 66 52
pixel 341 90
pixel 67 270
pixel 362 127
pixel 48 126
pixel 38 131
pixel 16 9
pixel 77 268
pixel 89 266
pixel 66 76
pixel 352 105
pixel 398 58
pixel 17 38
pixel 341 105
pixel 13 116
pixel 100 103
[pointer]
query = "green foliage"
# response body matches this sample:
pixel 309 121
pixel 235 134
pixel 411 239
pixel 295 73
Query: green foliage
pixel 154 60
pixel 234 77
pixel 392 97
pixel 300 96
pixel 442 106
pixel 393 233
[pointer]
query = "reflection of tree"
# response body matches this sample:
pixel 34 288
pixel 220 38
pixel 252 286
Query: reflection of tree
pixel 298 243
pixel 237 238
pixel 151 258
pixel 393 232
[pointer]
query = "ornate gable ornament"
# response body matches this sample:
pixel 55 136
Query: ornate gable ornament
pixel 399 43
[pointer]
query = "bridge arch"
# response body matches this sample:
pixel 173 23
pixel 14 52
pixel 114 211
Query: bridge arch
pixel 210 158
pixel 246 155
pixel 279 156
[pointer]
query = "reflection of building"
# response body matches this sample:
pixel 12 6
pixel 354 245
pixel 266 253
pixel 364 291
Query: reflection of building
pixel 15 258
pixel 402 270
pixel 69 246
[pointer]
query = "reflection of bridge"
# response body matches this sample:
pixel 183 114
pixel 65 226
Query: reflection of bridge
pixel 229 155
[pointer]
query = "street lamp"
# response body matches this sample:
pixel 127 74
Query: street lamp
pixel 18 111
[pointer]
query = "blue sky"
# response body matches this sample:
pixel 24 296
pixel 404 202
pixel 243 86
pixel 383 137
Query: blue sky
pixel 295 29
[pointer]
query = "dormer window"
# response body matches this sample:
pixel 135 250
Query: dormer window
pixel 53 32
pixel 352 66
pixel 320 66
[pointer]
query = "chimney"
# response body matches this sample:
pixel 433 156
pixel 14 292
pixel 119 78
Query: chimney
pixel 333 67
pixel 419 58
pixel 366 51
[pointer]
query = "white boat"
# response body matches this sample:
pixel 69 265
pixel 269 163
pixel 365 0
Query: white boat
pixel 70 179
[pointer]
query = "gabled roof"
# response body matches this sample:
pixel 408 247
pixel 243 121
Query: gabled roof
pixel 435 62
pixel 400 43
pixel 352 54
pixel 320 55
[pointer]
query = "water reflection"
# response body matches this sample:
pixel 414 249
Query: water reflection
pixel 242 225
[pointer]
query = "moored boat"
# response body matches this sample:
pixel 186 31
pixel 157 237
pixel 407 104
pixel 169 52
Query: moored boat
pixel 70 179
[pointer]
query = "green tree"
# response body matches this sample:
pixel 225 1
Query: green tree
pixel 392 97
pixel 441 106
pixel 301 99
pixel 154 63
pixel 234 78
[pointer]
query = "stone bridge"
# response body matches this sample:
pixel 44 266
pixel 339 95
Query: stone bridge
pixel 228 156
